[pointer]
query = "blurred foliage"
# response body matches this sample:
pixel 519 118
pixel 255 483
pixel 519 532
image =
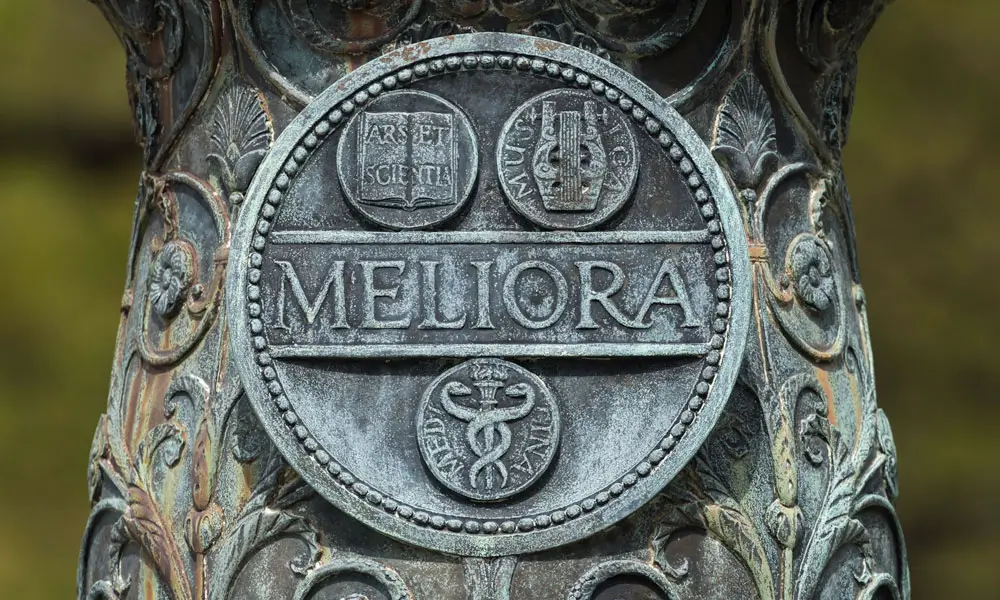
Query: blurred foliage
pixel 924 143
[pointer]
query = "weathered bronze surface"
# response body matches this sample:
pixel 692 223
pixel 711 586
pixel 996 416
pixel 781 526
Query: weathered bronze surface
pixel 492 300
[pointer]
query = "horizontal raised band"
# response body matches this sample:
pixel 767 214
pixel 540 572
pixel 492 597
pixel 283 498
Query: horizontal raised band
pixel 593 350
pixel 489 237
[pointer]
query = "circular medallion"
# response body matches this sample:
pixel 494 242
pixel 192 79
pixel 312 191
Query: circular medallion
pixel 467 382
pixel 408 160
pixel 487 428
pixel 567 160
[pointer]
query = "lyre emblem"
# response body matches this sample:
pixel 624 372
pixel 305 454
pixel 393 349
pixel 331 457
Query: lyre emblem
pixel 570 164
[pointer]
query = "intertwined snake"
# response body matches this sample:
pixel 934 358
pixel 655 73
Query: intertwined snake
pixel 490 422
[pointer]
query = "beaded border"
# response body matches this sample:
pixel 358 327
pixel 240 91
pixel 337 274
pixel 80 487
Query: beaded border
pixel 402 77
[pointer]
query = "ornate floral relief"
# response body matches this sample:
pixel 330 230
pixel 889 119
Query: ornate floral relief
pixel 216 548
pixel 811 270
pixel 159 36
pixel 838 104
pixel 806 297
pixel 248 535
pixel 144 521
pixel 662 29
pixel 568 34
pixel 745 135
pixel 701 498
pixel 831 31
pixel 828 34
pixel 171 277
pixel 352 32
pixel 181 303
pixel 835 526
pixel 199 536
pixel 429 28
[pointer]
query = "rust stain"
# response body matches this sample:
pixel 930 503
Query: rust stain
pixel 148 581
pixel 220 376
pixel 201 472
pixel 824 380
pixel 132 402
pixel 546 45
pixel 243 494
pixel 416 51
pixel 156 393
pixel 857 392
pixel 758 252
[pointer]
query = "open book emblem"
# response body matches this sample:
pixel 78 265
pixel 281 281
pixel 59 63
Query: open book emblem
pixel 407 160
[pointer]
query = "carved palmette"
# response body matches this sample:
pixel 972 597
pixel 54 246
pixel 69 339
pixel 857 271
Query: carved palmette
pixel 448 299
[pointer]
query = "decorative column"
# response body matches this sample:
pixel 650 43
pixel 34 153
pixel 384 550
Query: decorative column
pixel 492 300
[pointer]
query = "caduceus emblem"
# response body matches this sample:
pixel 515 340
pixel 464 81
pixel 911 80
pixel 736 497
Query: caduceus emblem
pixel 488 433
pixel 488 428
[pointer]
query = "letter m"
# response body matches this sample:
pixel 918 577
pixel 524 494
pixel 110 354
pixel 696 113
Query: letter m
pixel 309 309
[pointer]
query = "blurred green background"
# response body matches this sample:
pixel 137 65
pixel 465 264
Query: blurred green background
pixel 921 162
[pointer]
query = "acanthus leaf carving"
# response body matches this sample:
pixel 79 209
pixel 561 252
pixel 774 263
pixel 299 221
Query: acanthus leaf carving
pixel 701 499
pixel 251 533
pixel 144 520
pixel 219 550
pixel 835 526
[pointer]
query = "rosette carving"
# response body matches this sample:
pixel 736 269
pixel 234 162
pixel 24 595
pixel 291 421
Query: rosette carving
pixel 184 285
